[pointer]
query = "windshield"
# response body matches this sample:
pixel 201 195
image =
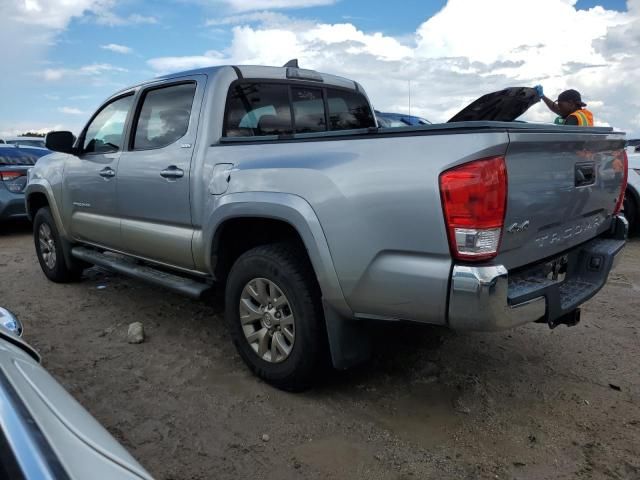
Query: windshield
pixel 21 156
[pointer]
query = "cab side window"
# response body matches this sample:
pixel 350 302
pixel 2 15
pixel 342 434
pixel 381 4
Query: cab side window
pixel 256 109
pixel 164 116
pixel 105 132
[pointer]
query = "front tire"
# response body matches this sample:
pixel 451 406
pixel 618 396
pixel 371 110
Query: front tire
pixel 49 249
pixel 274 314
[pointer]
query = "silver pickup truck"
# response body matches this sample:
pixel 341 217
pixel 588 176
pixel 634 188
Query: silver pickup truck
pixel 276 185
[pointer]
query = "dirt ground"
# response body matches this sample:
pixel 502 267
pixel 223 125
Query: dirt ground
pixel 531 403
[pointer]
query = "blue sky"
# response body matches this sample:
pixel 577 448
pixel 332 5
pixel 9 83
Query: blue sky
pixel 64 59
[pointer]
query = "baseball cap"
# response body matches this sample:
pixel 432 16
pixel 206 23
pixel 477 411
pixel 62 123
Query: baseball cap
pixel 571 96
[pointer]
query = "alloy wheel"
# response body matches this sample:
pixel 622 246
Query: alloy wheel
pixel 267 320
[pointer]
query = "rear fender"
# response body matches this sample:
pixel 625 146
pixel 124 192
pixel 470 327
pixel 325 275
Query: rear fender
pixel 284 207
pixel 347 337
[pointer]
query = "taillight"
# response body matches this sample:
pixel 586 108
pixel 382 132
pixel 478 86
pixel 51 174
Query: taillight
pixel 10 180
pixel 474 197
pixel 625 177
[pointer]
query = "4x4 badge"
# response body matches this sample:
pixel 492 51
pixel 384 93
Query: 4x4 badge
pixel 518 227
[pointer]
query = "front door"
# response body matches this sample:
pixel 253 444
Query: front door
pixel 89 193
pixel 154 173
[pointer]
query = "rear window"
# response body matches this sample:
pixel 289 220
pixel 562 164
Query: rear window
pixel 21 156
pixel 348 110
pixel 308 110
pixel 257 109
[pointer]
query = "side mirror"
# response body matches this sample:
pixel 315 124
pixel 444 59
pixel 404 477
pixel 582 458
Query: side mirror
pixel 60 141
pixel 9 321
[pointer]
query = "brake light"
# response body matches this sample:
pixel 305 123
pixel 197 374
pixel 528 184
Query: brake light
pixel 474 197
pixel 9 178
pixel 617 166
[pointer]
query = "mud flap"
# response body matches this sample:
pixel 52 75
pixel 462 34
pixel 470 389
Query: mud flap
pixel 349 340
pixel 69 260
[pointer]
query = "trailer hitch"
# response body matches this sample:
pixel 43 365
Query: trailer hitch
pixel 570 319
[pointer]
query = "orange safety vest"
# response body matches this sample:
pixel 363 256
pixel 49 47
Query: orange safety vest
pixel 584 116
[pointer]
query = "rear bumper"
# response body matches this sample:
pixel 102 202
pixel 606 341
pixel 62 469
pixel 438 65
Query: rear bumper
pixel 11 205
pixel 491 298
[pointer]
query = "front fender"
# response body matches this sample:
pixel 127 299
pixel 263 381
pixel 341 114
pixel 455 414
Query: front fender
pixel 285 207
pixel 40 185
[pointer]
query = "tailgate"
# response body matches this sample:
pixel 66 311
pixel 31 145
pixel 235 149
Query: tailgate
pixel 562 191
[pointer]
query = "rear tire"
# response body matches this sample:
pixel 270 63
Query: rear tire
pixel 274 314
pixel 49 249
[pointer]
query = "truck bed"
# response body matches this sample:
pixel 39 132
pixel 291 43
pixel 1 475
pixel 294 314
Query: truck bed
pixel 385 183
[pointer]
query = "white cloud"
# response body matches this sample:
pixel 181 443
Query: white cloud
pixel 467 49
pixel 110 18
pixel 249 5
pixel 54 73
pixel 54 14
pixel 265 17
pixel 71 111
pixel 28 30
pixel 114 47
pixel 95 69
pixel 170 64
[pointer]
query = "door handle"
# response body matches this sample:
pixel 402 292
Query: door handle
pixel 107 172
pixel 585 174
pixel 172 172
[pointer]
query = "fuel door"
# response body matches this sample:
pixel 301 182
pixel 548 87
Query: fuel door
pixel 220 179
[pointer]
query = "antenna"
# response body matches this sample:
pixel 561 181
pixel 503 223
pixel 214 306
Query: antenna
pixel 291 63
pixel 409 97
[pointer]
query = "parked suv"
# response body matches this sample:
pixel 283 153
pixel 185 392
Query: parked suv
pixel 276 185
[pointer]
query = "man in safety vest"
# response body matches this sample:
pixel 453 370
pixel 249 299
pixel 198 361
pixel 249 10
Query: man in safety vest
pixel 569 108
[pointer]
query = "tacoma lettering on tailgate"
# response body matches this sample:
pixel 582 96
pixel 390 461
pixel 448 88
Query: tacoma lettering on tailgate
pixel 565 233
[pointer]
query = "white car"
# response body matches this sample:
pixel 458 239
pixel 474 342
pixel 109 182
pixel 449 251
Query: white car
pixel 632 197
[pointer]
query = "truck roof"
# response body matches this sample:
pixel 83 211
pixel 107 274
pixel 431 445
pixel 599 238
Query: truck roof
pixel 264 73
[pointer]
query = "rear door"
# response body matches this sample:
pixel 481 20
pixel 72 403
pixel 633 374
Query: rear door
pixel 562 190
pixel 154 173
pixel 89 193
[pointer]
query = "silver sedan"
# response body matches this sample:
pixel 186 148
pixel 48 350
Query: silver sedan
pixel 44 433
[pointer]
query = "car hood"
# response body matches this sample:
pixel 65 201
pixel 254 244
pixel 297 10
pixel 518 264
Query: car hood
pixel 503 106
pixel 634 160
